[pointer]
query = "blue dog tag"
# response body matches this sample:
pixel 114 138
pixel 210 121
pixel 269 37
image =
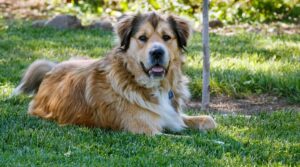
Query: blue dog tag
pixel 171 94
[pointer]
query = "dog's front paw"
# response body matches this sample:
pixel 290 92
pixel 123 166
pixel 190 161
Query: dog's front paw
pixel 207 123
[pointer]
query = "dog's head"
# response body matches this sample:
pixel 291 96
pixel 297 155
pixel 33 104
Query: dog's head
pixel 152 42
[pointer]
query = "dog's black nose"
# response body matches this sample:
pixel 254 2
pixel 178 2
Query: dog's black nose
pixel 157 54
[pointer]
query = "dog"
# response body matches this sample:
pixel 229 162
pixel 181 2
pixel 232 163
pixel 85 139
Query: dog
pixel 138 87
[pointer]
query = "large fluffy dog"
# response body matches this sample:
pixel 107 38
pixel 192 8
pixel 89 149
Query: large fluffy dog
pixel 139 87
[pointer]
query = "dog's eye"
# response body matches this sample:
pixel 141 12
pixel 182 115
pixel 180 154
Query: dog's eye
pixel 143 38
pixel 166 37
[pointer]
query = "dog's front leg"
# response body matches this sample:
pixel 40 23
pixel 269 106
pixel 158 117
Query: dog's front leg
pixel 203 122
pixel 142 124
pixel 139 127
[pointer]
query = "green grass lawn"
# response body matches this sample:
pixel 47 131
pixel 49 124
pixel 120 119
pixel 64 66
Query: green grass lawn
pixel 243 64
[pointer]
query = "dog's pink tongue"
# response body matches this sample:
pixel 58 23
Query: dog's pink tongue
pixel 157 69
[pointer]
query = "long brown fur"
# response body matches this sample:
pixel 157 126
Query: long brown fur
pixel 114 92
pixel 34 76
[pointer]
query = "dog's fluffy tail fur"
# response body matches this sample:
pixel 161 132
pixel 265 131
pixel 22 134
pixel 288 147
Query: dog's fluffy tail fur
pixel 33 77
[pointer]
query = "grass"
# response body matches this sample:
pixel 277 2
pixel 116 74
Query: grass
pixel 250 64
pixel 265 139
pixel 242 65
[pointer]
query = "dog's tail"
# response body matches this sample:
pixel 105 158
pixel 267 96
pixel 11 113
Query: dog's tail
pixel 33 77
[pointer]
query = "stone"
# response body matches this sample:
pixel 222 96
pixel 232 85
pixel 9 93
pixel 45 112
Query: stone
pixel 38 23
pixel 104 25
pixel 64 22
pixel 215 24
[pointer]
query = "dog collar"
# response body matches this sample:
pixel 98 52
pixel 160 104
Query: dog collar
pixel 171 94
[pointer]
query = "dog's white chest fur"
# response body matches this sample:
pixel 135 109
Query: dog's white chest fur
pixel 169 118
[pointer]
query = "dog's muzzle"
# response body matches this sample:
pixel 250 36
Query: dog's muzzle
pixel 157 62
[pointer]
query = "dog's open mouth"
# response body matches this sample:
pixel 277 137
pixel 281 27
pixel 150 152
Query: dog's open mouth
pixel 155 71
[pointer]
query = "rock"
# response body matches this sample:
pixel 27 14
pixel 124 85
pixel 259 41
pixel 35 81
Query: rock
pixel 215 24
pixel 64 22
pixel 105 25
pixel 39 23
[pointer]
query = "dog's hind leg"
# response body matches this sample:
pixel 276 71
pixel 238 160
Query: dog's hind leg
pixel 203 122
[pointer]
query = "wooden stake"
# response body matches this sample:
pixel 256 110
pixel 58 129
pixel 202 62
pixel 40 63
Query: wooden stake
pixel 206 57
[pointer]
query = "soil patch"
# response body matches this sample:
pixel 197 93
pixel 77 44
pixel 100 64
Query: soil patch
pixel 250 105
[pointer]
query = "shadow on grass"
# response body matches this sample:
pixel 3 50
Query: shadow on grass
pixel 238 78
pixel 254 44
pixel 243 82
pixel 20 46
pixel 267 136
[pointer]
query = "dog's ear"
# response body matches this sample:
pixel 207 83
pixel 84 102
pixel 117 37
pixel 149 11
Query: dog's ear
pixel 181 29
pixel 126 27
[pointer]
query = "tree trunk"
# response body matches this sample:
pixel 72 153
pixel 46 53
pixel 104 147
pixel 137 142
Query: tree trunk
pixel 206 63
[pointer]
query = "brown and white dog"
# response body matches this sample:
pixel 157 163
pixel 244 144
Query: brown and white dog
pixel 139 87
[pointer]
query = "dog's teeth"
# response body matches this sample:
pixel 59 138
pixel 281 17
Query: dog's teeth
pixel 157 69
